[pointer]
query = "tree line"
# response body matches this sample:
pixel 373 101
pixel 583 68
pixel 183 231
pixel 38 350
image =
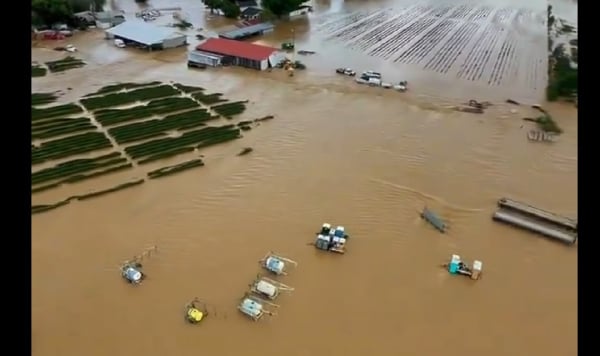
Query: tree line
pixel 49 12
pixel 271 8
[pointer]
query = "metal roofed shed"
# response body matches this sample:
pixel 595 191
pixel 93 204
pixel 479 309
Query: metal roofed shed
pixel 196 58
pixel 248 31
pixel 147 35
pixel 242 54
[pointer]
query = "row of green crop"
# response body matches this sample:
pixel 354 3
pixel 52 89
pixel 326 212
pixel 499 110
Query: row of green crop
pixel 208 99
pixel 129 97
pixel 108 117
pixel 76 166
pixel 230 109
pixel 223 137
pixel 165 171
pixel 55 111
pixel 38 71
pixel 187 139
pixel 81 177
pixel 65 64
pixel 153 128
pixel 42 98
pixel 57 127
pixel 68 146
pixel 66 130
pixel 121 86
pixel 36 209
pixel 187 89
pixel 167 154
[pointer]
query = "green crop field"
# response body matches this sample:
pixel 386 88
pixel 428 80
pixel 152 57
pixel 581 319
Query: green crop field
pixel 94 137
pixel 65 64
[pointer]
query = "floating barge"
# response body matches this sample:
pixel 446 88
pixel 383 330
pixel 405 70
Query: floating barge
pixel 536 220
pixel 433 219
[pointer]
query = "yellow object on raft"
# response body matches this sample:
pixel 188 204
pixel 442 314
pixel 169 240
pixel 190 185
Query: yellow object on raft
pixel 195 315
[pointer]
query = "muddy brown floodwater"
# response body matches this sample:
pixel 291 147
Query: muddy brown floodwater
pixel 365 158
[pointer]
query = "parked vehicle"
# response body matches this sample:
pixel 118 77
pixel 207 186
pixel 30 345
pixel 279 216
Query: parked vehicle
pixel 120 43
pixel 346 71
pixel 371 74
pixel 401 86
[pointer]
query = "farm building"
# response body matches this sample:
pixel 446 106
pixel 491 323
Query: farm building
pixel 248 31
pixel 204 58
pixel 240 53
pixel 148 36
pixel 243 4
pixel 108 19
pixel 300 11
pixel 251 13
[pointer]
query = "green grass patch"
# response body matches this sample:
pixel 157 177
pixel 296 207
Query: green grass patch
pixel 121 86
pixel 76 166
pixel 167 154
pixel 169 170
pixel 158 127
pixel 209 99
pixel 228 110
pixel 68 146
pixel 187 88
pixel 207 136
pixel 65 64
pixel 109 117
pixel 142 94
pixel 38 71
pixel 55 111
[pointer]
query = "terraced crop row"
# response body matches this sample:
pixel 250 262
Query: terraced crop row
pixel 209 99
pixel 359 27
pixel 188 89
pixel 68 146
pixel 116 99
pixel 44 129
pixel 479 55
pixel 55 111
pixel 447 55
pixel 64 64
pixel 42 98
pixel 159 127
pixel 504 62
pixel 345 20
pixel 110 117
pixel 380 33
pixel 199 138
pixel 113 88
pixel 421 49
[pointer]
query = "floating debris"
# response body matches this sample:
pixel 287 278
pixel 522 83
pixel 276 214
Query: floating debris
pixel 245 151
pixel 131 270
pixel 510 101
pixel 195 311
pixel 305 53
pixel 540 136
pixel 434 220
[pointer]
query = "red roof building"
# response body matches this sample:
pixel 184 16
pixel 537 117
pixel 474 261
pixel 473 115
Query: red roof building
pixel 239 49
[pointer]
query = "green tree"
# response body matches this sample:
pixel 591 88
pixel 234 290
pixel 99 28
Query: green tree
pixel 213 4
pixel 230 10
pixel 281 7
pixel 52 11
pixel 86 5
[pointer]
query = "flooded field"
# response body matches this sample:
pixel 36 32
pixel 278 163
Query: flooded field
pixel 466 41
pixel 336 152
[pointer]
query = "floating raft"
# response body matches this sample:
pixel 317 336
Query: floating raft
pixel 540 136
pixel 536 220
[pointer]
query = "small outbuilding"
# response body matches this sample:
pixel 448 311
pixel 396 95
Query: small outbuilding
pixel 147 36
pixel 240 53
pixel 251 13
pixel 248 31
